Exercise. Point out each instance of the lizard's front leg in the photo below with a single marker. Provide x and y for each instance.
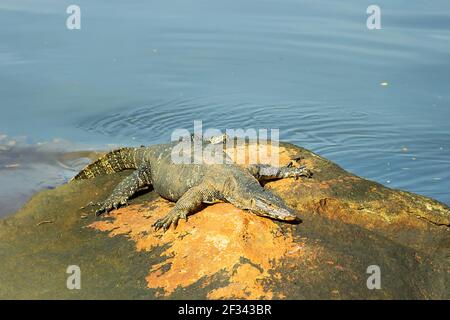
(125, 189)
(264, 172)
(189, 203)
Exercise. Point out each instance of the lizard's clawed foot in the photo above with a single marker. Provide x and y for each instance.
(109, 205)
(296, 172)
(171, 218)
(301, 171)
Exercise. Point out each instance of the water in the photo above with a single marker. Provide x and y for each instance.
(137, 70)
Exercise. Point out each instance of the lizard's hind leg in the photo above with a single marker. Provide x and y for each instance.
(265, 172)
(125, 189)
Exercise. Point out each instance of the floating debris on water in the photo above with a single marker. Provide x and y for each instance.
(413, 158)
(12, 165)
(384, 84)
(404, 149)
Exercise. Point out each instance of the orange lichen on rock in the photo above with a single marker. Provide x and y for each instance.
(220, 239)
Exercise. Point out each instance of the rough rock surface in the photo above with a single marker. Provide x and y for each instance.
(222, 252)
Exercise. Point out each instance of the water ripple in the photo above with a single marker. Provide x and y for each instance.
(363, 142)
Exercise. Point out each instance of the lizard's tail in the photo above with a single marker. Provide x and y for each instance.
(114, 161)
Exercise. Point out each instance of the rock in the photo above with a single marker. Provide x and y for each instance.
(349, 224)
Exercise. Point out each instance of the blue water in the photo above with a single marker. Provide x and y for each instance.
(137, 70)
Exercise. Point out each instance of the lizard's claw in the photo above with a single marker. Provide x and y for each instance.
(295, 172)
(170, 218)
(162, 223)
(301, 171)
(109, 205)
(101, 211)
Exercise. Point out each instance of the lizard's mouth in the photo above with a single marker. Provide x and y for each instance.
(275, 212)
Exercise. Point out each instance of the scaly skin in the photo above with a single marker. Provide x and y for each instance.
(191, 185)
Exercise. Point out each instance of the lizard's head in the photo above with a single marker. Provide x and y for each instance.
(264, 203)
